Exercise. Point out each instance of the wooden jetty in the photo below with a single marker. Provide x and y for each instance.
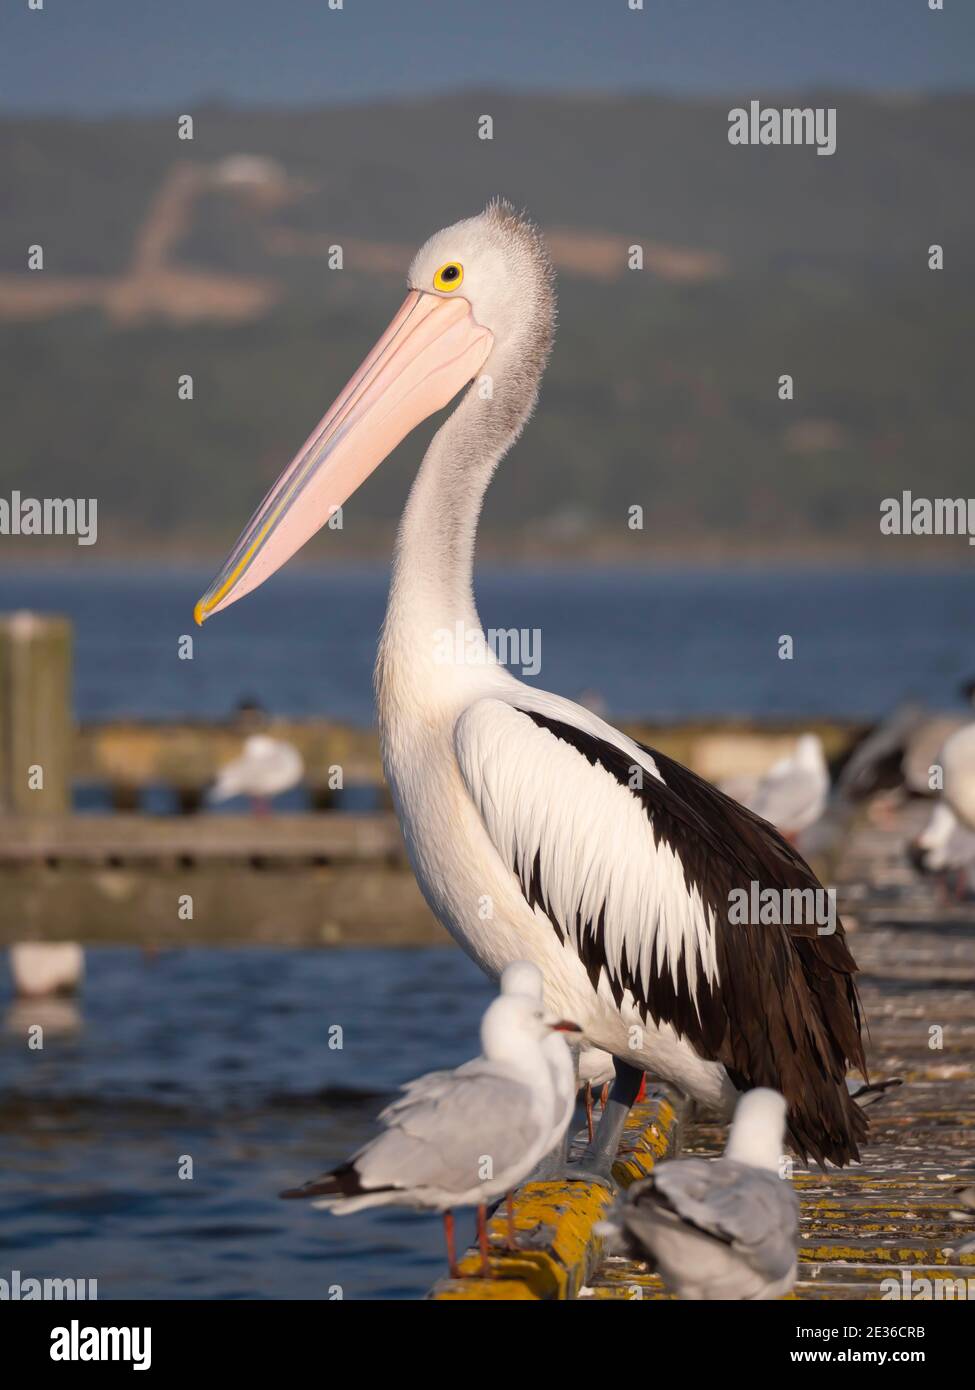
(305, 880)
(331, 876)
(875, 1230)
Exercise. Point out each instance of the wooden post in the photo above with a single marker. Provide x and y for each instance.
(35, 715)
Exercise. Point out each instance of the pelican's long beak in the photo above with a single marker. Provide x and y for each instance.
(432, 348)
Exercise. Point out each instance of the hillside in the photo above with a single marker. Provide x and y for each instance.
(164, 257)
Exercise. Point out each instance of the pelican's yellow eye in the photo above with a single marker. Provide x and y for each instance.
(449, 276)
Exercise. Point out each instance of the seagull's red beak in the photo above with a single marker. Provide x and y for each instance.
(565, 1025)
(432, 348)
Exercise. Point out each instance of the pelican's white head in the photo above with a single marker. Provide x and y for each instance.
(498, 263)
(758, 1129)
(481, 300)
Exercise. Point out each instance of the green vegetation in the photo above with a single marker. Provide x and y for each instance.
(659, 393)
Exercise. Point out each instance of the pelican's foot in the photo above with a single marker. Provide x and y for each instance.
(596, 1162)
(592, 1167)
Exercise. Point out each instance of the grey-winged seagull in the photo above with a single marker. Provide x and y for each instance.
(719, 1228)
(266, 768)
(792, 794)
(460, 1138)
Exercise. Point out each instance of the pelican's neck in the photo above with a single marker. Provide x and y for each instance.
(431, 618)
(433, 567)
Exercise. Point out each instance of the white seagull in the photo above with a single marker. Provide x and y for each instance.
(944, 846)
(462, 1138)
(718, 1228)
(958, 763)
(592, 1067)
(42, 968)
(536, 830)
(792, 794)
(524, 979)
(266, 768)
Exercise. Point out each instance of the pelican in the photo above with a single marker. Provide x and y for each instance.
(536, 830)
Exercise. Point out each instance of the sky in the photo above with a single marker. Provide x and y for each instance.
(95, 57)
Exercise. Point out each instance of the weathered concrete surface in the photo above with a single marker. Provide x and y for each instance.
(554, 1221)
(896, 1215)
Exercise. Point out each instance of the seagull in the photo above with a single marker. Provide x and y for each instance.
(718, 1228)
(958, 764)
(792, 795)
(594, 1067)
(944, 846)
(461, 1138)
(266, 768)
(521, 978)
(536, 830)
(42, 968)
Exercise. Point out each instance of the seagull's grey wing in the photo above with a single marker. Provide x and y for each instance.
(755, 1212)
(450, 1137)
(786, 799)
(428, 1086)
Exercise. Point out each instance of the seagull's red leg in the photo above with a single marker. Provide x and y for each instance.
(642, 1092)
(482, 1239)
(588, 1097)
(448, 1230)
(509, 1202)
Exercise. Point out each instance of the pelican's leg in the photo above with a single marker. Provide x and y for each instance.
(587, 1097)
(448, 1230)
(482, 1239)
(596, 1164)
(603, 1099)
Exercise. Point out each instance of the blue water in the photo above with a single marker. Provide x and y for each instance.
(222, 1056)
(662, 644)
